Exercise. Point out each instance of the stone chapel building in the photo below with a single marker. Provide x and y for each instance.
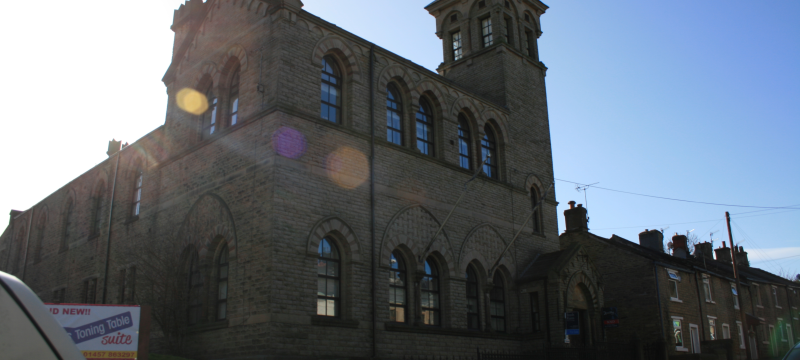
(298, 181)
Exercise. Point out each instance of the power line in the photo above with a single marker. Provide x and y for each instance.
(701, 221)
(682, 200)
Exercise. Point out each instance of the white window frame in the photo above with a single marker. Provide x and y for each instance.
(726, 331)
(707, 289)
(790, 335)
(694, 349)
(735, 296)
(773, 344)
(683, 338)
(783, 330)
(759, 301)
(674, 278)
(712, 327)
(775, 297)
(739, 327)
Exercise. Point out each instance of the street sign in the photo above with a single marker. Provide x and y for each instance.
(610, 317)
(572, 321)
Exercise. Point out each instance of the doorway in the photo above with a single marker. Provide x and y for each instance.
(753, 347)
(694, 334)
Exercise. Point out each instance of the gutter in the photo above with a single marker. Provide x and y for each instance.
(110, 216)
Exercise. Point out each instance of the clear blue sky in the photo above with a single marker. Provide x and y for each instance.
(697, 100)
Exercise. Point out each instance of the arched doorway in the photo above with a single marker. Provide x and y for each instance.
(580, 302)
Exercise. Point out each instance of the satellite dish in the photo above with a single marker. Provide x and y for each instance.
(798, 277)
(669, 245)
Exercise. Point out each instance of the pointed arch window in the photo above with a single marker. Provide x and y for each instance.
(137, 192)
(195, 285)
(68, 225)
(498, 304)
(37, 249)
(233, 98)
(473, 305)
(536, 221)
(425, 128)
(464, 143)
(98, 201)
(222, 284)
(328, 279)
(489, 152)
(430, 295)
(19, 263)
(397, 289)
(331, 106)
(394, 116)
(210, 116)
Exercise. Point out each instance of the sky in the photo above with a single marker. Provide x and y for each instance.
(691, 100)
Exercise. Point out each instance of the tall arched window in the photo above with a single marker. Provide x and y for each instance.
(222, 284)
(430, 294)
(328, 279)
(97, 208)
(489, 149)
(137, 193)
(425, 128)
(331, 107)
(68, 225)
(464, 143)
(20, 249)
(233, 98)
(394, 116)
(498, 306)
(37, 249)
(473, 307)
(195, 285)
(210, 116)
(397, 289)
(535, 220)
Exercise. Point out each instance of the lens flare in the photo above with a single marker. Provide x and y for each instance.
(289, 142)
(347, 167)
(192, 101)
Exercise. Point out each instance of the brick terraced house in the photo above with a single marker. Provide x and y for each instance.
(690, 301)
(300, 192)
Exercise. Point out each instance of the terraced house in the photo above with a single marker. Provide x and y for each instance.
(306, 195)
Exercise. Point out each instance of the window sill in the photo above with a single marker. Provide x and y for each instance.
(132, 219)
(778, 307)
(333, 321)
(711, 302)
(676, 300)
(760, 306)
(681, 349)
(209, 326)
(399, 327)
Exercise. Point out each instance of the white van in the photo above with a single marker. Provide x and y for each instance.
(27, 330)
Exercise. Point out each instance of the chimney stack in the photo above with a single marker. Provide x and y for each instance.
(113, 147)
(679, 246)
(724, 254)
(652, 239)
(575, 217)
(741, 257)
(704, 250)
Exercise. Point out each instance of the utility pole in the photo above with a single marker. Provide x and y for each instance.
(745, 328)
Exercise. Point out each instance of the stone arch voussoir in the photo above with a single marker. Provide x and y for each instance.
(209, 68)
(331, 43)
(238, 52)
(337, 227)
(413, 227)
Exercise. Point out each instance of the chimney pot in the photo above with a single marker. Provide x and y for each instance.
(679, 246)
(580, 205)
(576, 218)
(724, 254)
(571, 204)
(704, 250)
(652, 239)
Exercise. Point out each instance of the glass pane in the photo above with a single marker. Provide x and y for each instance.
(321, 267)
(223, 272)
(332, 114)
(472, 305)
(434, 300)
(235, 105)
(325, 92)
(222, 310)
(333, 288)
(321, 307)
(400, 296)
(321, 286)
(332, 307)
(234, 119)
(425, 300)
(333, 268)
(334, 95)
(223, 290)
(392, 296)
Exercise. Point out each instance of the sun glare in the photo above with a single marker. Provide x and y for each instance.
(192, 101)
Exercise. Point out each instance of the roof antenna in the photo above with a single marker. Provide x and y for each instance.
(579, 188)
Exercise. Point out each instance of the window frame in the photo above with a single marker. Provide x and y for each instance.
(401, 271)
(759, 301)
(69, 210)
(679, 333)
(726, 331)
(735, 293)
(535, 312)
(136, 201)
(673, 279)
(336, 279)
(223, 263)
(394, 108)
(194, 308)
(210, 127)
(98, 199)
(89, 295)
(508, 23)
(432, 276)
(233, 97)
(740, 330)
(473, 283)
(335, 80)
(424, 117)
(712, 327)
(775, 297)
(707, 289)
(487, 39)
(537, 221)
(464, 142)
(489, 145)
(457, 42)
(496, 306)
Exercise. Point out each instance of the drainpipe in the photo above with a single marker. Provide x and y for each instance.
(372, 194)
(27, 244)
(547, 312)
(110, 216)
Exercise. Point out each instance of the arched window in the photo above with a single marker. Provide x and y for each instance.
(137, 193)
(473, 307)
(222, 284)
(489, 149)
(394, 116)
(430, 295)
(210, 116)
(328, 279)
(37, 249)
(498, 306)
(68, 225)
(397, 289)
(425, 128)
(233, 98)
(20, 250)
(97, 208)
(535, 220)
(464, 143)
(195, 285)
(331, 109)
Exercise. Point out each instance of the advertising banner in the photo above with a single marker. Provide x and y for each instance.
(573, 323)
(101, 332)
(610, 317)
